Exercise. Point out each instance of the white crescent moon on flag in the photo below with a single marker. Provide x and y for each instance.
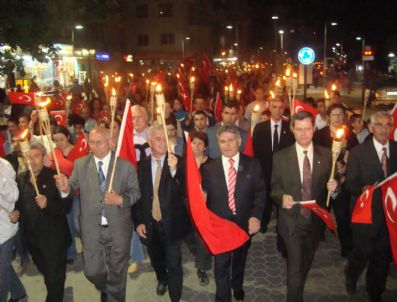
(58, 118)
(299, 109)
(364, 196)
(25, 98)
(392, 197)
(83, 142)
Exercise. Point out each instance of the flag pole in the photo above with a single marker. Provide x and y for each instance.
(119, 141)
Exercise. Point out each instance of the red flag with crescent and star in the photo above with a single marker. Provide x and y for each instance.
(320, 212)
(183, 91)
(206, 68)
(218, 108)
(389, 198)
(80, 149)
(21, 98)
(302, 106)
(362, 212)
(220, 235)
(393, 133)
(59, 116)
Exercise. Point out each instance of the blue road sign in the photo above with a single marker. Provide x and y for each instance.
(306, 55)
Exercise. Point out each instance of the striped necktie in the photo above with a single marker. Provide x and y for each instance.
(232, 176)
(102, 189)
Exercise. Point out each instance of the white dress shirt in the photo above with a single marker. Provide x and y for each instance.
(154, 166)
(8, 196)
(378, 147)
(139, 139)
(226, 165)
(320, 123)
(301, 157)
(105, 161)
(272, 123)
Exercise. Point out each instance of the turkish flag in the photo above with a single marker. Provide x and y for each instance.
(125, 144)
(393, 133)
(249, 148)
(80, 149)
(105, 116)
(218, 108)
(57, 102)
(362, 212)
(206, 68)
(183, 91)
(59, 116)
(220, 235)
(320, 212)
(77, 106)
(302, 106)
(389, 196)
(21, 98)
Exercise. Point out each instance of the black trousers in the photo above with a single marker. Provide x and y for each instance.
(267, 211)
(301, 246)
(374, 251)
(52, 264)
(229, 272)
(166, 260)
(341, 206)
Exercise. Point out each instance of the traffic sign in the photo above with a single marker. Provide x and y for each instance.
(306, 55)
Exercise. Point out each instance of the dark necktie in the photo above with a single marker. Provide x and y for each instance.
(384, 161)
(275, 138)
(142, 149)
(306, 184)
(102, 189)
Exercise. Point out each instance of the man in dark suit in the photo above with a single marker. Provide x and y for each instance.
(371, 162)
(300, 172)
(105, 219)
(229, 117)
(269, 137)
(235, 191)
(161, 216)
(43, 223)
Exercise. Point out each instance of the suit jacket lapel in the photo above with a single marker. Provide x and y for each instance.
(109, 173)
(220, 174)
(242, 166)
(317, 158)
(373, 154)
(283, 134)
(294, 172)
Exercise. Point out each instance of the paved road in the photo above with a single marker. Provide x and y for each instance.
(264, 281)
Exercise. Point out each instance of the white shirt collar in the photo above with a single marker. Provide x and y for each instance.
(272, 123)
(105, 161)
(378, 147)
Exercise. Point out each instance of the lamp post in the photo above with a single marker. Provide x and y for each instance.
(325, 47)
(78, 27)
(362, 39)
(281, 32)
(183, 45)
(275, 63)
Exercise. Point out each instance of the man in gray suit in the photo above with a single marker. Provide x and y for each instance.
(105, 217)
(300, 173)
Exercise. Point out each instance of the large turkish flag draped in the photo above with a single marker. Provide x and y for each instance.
(362, 212)
(21, 98)
(302, 106)
(393, 134)
(320, 212)
(220, 235)
(125, 144)
(389, 197)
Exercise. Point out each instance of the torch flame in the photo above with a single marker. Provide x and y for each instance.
(333, 87)
(158, 89)
(295, 75)
(239, 91)
(226, 88)
(326, 94)
(278, 84)
(45, 103)
(340, 133)
(231, 87)
(192, 79)
(113, 92)
(193, 68)
(256, 108)
(272, 94)
(147, 81)
(69, 97)
(158, 110)
(153, 83)
(24, 134)
(177, 75)
(288, 72)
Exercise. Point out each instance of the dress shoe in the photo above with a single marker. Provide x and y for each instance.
(133, 267)
(161, 289)
(350, 283)
(104, 297)
(203, 278)
(238, 295)
(17, 299)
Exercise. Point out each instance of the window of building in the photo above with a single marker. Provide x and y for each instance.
(143, 40)
(165, 9)
(167, 39)
(142, 11)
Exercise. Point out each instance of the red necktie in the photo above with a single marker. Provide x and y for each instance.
(232, 176)
(384, 161)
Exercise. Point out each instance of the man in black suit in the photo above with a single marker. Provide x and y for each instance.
(235, 191)
(371, 162)
(43, 223)
(269, 137)
(300, 172)
(161, 216)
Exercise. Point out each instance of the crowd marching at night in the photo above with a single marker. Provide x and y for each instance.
(201, 156)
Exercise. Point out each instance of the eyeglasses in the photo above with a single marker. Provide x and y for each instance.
(96, 143)
(385, 126)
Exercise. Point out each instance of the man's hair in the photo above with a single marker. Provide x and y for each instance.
(229, 129)
(300, 116)
(104, 131)
(231, 104)
(153, 128)
(199, 112)
(141, 108)
(374, 116)
(277, 99)
(199, 135)
(76, 120)
(332, 107)
(354, 118)
(58, 129)
(171, 120)
(38, 146)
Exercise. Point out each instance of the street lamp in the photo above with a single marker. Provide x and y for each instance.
(362, 39)
(78, 27)
(325, 47)
(281, 32)
(183, 45)
(230, 27)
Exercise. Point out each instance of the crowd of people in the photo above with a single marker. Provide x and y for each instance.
(114, 214)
